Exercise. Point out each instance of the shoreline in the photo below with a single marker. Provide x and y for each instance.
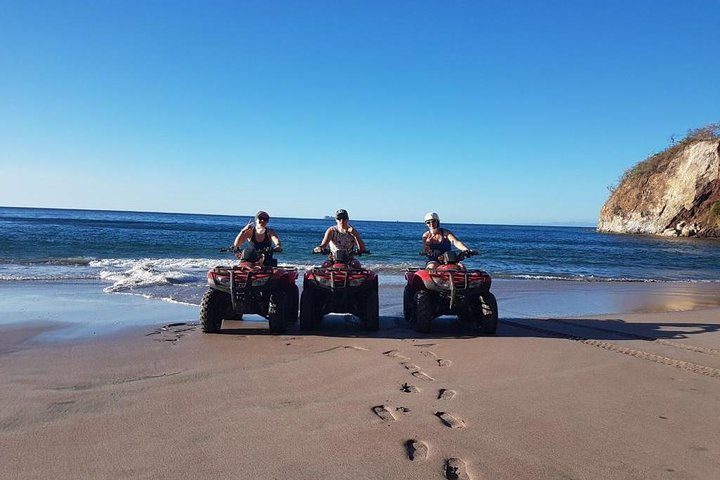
(73, 310)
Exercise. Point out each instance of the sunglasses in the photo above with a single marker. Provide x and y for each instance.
(341, 218)
(430, 222)
(264, 218)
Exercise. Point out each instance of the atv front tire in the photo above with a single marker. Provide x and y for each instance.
(309, 310)
(215, 306)
(408, 304)
(277, 312)
(424, 311)
(371, 317)
(489, 322)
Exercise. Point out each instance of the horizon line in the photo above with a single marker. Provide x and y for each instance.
(568, 223)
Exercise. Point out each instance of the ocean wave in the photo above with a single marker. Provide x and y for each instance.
(144, 274)
(70, 261)
(60, 261)
(17, 277)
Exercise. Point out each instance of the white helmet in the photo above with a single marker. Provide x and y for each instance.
(432, 216)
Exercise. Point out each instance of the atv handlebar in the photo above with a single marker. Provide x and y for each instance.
(261, 251)
(326, 251)
(462, 255)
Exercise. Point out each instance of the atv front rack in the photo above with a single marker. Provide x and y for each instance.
(339, 277)
(456, 282)
(243, 279)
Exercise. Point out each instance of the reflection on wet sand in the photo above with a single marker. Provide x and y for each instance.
(533, 298)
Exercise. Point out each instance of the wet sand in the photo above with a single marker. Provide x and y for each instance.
(618, 396)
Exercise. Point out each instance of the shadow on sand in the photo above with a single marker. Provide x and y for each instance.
(395, 327)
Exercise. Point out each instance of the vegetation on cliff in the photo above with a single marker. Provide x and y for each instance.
(659, 162)
(673, 192)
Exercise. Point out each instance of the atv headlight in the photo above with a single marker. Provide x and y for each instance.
(259, 282)
(323, 281)
(442, 282)
(356, 282)
(215, 279)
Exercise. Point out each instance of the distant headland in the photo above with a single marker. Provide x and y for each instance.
(675, 192)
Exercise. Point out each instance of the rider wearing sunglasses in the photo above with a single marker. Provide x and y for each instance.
(261, 237)
(342, 236)
(437, 241)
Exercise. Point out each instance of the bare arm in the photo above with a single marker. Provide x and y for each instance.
(243, 236)
(455, 241)
(358, 239)
(275, 239)
(325, 240)
(426, 242)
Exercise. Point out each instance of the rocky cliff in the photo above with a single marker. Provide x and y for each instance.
(675, 192)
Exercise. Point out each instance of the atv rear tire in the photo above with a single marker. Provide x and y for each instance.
(424, 311)
(214, 307)
(489, 322)
(309, 310)
(371, 317)
(408, 304)
(277, 312)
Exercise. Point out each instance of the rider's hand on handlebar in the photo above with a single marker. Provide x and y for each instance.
(277, 248)
(317, 249)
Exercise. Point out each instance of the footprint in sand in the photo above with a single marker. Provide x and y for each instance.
(455, 469)
(396, 354)
(450, 420)
(445, 394)
(422, 376)
(428, 353)
(383, 411)
(416, 450)
(402, 410)
(342, 347)
(410, 366)
(409, 388)
(444, 363)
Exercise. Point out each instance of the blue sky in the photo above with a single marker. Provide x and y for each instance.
(484, 111)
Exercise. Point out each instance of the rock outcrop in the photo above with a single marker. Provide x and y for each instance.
(676, 192)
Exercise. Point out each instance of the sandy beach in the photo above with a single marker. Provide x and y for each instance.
(622, 396)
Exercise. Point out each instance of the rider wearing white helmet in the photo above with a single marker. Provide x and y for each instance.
(437, 241)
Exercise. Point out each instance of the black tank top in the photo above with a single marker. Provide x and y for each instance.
(265, 243)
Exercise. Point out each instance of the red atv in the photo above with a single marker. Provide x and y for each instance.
(338, 286)
(269, 291)
(450, 289)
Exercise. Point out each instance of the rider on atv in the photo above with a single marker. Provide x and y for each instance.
(437, 241)
(342, 236)
(340, 285)
(262, 238)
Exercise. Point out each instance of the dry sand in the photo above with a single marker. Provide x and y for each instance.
(618, 397)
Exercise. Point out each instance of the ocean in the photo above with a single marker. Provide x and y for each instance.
(167, 255)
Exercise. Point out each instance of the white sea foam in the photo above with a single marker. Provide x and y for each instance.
(129, 274)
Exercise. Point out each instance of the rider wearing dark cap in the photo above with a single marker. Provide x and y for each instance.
(260, 237)
(342, 236)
